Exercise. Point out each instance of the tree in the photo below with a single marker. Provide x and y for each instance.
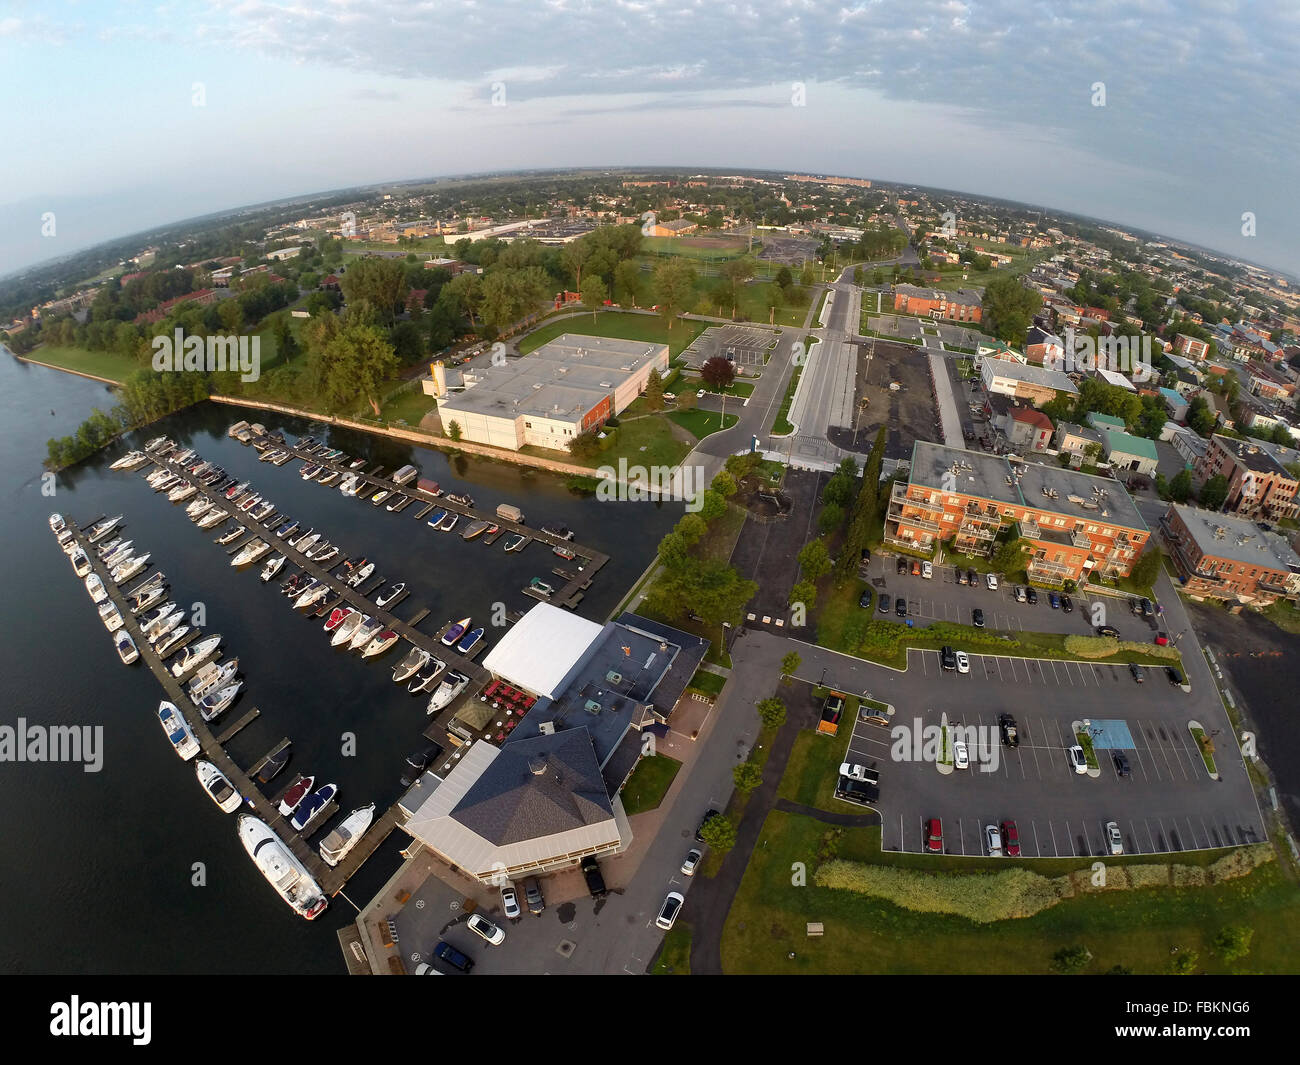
(719, 834)
(807, 276)
(831, 518)
(1233, 942)
(1200, 418)
(784, 279)
(1146, 568)
(594, 293)
(712, 506)
(673, 283)
(790, 665)
(1214, 492)
(453, 432)
(1184, 963)
(814, 560)
(1010, 556)
(627, 281)
(691, 528)
(804, 592)
(353, 359)
(654, 391)
(1009, 308)
(747, 776)
(379, 282)
(1071, 959)
(737, 272)
(464, 295)
(718, 372)
(771, 712)
(1180, 488)
(724, 484)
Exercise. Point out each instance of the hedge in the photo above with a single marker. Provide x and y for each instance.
(1104, 647)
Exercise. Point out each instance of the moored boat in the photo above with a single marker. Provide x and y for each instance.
(348, 627)
(170, 640)
(103, 528)
(452, 685)
(469, 641)
(232, 536)
(195, 655)
(416, 659)
(57, 523)
(423, 681)
(95, 587)
(361, 575)
(475, 529)
(213, 517)
(218, 786)
(436, 517)
(130, 568)
(337, 616)
(390, 594)
(381, 643)
(80, 563)
(449, 522)
(298, 791)
(110, 616)
(455, 632)
(250, 552)
(281, 868)
(126, 649)
(368, 631)
(312, 807)
(178, 730)
(346, 835)
(212, 677)
(274, 764)
(218, 702)
(272, 568)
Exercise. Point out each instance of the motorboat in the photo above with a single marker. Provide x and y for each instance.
(130, 568)
(301, 539)
(416, 659)
(369, 629)
(182, 493)
(263, 511)
(564, 551)
(213, 518)
(493, 531)
(148, 598)
(469, 641)
(281, 867)
(462, 500)
(452, 685)
(80, 563)
(212, 677)
(169, 482)
(381, 643)
(337, 616)
(155, 443)
(346, 835)
(237, 427)
(327, 557)
(361, 575)
(164, 646)
(560, 532)
(347, 628)
(380, 496)
(312, 807)
(126, 649)
(455, 632)
(475, 529)
(109, 615)
(351, 565)
(397, 502)
(272, 568)
(250, 552)
(436, 517)
(250, 502)
(287, 529)
(198, 508)
(66, 540)
(146, 585)
(296, 584)
(236, 490)
(417, 762)
(356, 464)
(298, 791)
(312, 596)
(309, 471)
(118, 555)
(218, 787)
(95, 587)
(218, 702)
(540, 587)
(326, 606)
(449, 522)
(349, 481)
(109, 546)
(317, 549)
(148, 623)
(273, 764)
(423, 681)
(195, 654)
(166, 625)
(178, 730)
(103, 528)
(127, 459)
(183, 457)
(306, 543)
(351, 486)
(329, 478)
(233, 535)
(392, 592)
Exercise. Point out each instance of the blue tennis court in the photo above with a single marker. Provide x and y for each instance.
(1112, 734)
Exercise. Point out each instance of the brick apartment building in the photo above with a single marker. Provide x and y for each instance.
(1229, 558)
(963, 305)
(1190, 347)
(1077, 524)
(1259, 486)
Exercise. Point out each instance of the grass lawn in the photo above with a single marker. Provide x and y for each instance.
(707, 683)
(649, 781)
(621, 326)
(814, 765)
(99, 363)
(653, 433)
(675, 954)
(1135, 929)
(703, 422)
(409, 407)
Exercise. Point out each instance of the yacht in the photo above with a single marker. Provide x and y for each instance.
(126, 650)
(312, 596)
(218, 702)
(423, 682)
(57, 524)
(250, 552)
(281, 868)
(195, 654)
(144, 600)
(381, 643)
(150, 622)
(130, 568)
(368, 630)
(390, 594)
(316, 549)
(309, 471)
(182, 493)
(67, 541)
(361, 575)
(165, 625)
(103, 528)
(416, 659)
(346, 835)
(168, 483)
(80, 563)
(236, 490)
(212, 677)
(218, 787)
(452, 685)
(109, 546)
(455, 632)
(118, 555)
(347, 628)
(213, 517)
(95, 587)
(127, 460)
(232, 536)
(109, 615)
(250, 502)
(172, 639)
(298, 791)
(356, 464)
(146, 585)
(287, 529)
(329, 478)
(273, 764)
(312, 807)
(469, 641)
(263, 511)
(306, 543)
(155, 443)
(178, 730)
(327, 557)
(198, 508)
(272, 568)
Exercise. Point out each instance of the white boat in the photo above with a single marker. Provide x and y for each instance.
(155, 443)
(212, 677)
(195, 654)
(390, 594)
(57, 523)
(166, 625)
(168, 483)
(317, 549)
(367, 632)
(327, 557)
(312, 596)
(108, 614)
(144, 600)
(416, 659)
(405, 475)
(213, 517)
(346, 835)
(128, 460)
(423, 681)
(198, 508)
(361, 575)
(95, 587)
(148, 622)
(281, 868)
(306, 543)
(260, 512)
(103, 528)
(250, 552)
(178, 730)
(182, 493)
(216, 703)
(348, 628)
(452, 685)
(80, 563)
(272, 568)
(337, 616)
(218, 787)
(126, 650)
(67, 542)
(381, 643)
(348, 485)
(380, 496)
(232, 536)
(329, 478)
(109, 547)
(130, 568)
(294, 795)
(118, 555)
(170, 640)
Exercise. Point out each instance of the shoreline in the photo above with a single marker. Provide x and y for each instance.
(63, 369)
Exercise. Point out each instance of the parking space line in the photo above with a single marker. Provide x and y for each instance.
(1087, 843)
(1038, 847)
(1056, 851)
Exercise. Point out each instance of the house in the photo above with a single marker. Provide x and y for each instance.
(1132, 454)
(1027, 427)
(1105, 421)
(1042, 347)
(1229, 558)
(1081, 440)
(1032, 383)
(1190, 445)
(996, 349)
(1176, 402)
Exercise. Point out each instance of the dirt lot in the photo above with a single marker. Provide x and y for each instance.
(766, 551)
(718, 243)
(910, 413)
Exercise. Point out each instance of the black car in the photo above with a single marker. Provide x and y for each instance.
(884, 602)
(533, 896)
(864, 600)
(1010, 733)
(1175, 677)
(1032, 595)
(977, 618)
(1108, 630)
(1121, 763)
(449, 955)
(902, 565)
(699, 832)
(948, 658)
(595, 882)
(961, 575)
(900, 607)
(972, 578)
(1147, 609)
(1139, 674)
(1067, 604)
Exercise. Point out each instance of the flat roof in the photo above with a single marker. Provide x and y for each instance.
(1237, 539)
(541, 649)
(1251, 454)
(1034, 375)
(979, 474)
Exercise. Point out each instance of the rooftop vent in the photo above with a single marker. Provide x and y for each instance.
(537, 765)
(546, 728)
(613, 677)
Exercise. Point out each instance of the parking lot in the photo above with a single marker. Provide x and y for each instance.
(747, 346)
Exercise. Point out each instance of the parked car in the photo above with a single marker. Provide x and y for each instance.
(1148, 609)
(482, 927)
(883, 606)
(934, 836)
(961, 575)
(1031, 594)
(991, 579)
(1121, 763)
(900, 607)
(669, 910)
(1113, 838)
(948, 658)
(1011, 839)
(927, 570)
(595, 882)
(449, 955)
(1175, 677)
(1020, 593)
(1108, 630)
(864, 600)
(1162, 639)
(700, 393)
(1054, 600)
(1139, 674)
(960, 756)
(533, 896)
(699, 832)
(916, 567)
(692, 860)
(963, 662)
(857, 791)
(993, 841)
(1077, 758)
(1067, 604)
(977, 618)
(972, 578)
(902, 566)
(510, 902)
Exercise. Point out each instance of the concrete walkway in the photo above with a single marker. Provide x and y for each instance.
(949, 419)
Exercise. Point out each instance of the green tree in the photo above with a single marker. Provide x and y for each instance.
(1233, 942)
(627, 279)
(1071, 959)
(784, 279)
(594, 293)
(1184, 963)
(1180, 488)
(453, 432)
(1009, 308)
(1200, 418)
(1010, 555)
(804, 592)
(654, 391)
(351, 360)
(790, 665)
(771, 712)
(1213, 492)
(673, 283)
(724, 484)
(747, 776)
(1146, 568)
(712, 506)
(736, 272)
(807, 276)
(379, 282)
(691, 528)
(814, 560)
(719, 834)
(831, 518)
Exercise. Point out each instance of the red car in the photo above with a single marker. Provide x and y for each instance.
(1010, 839)
(916, 568)
(934, 835)
(1161, 639)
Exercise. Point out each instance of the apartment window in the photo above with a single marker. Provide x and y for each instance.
(528, 425)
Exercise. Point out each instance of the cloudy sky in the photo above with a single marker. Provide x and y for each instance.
(125, 115)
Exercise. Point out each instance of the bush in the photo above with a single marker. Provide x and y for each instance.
(771, 712)
(1071, 959)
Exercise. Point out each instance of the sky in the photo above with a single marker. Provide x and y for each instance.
(1178, 118)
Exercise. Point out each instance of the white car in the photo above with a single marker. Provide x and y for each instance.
(485, 929)
(1113, 837)
(669, 910)
(960, 759)
(1077, 759)
(963, 663)
(692, 860)
(510, 902)
(993, 841)
(991, 579)
(700, 393)
(927, 570)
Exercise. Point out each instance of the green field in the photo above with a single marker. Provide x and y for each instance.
(654, 433)
(702, 423)
(409, 406)
(706, 683)
(622, 326)
(650, 780)
(813, 769)
(98, 363)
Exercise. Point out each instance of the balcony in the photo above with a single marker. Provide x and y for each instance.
(899, 495)
(977, 531)
(1037, 565)
(1029, 529)
(916, 522)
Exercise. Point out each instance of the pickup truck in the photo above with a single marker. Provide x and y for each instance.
(858, 772)
(595, 882)
(832, 711)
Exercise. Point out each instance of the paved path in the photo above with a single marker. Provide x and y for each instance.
(949, 419)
